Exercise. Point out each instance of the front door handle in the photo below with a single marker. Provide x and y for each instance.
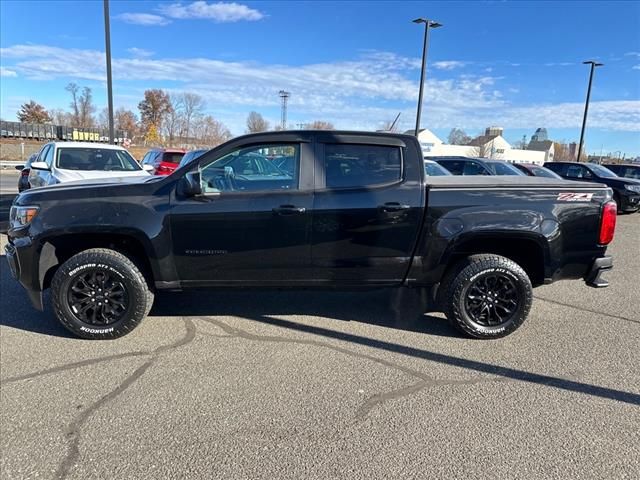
(289, 210)
(393, 207)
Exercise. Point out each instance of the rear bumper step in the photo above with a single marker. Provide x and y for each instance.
(599, 266)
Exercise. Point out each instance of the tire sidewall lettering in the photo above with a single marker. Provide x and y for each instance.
(101, 266)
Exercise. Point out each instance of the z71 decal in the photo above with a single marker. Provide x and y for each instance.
(575, 197)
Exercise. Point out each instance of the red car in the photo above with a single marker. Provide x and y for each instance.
(163, 160)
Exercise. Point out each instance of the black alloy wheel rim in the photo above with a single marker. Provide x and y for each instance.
(492, 300)
(97, 297)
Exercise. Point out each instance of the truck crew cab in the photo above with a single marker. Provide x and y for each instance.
(352, 210)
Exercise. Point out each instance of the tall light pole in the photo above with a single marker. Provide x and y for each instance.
(586, 103)
(427, 24)
(107, 41)
(284, 97)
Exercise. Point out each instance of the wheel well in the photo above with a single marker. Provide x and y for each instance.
(68, 245)
(525, 252)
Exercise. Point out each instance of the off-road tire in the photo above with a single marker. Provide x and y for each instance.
(459, 279)
(140, 297)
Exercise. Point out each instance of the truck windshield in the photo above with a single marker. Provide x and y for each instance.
(102, 159)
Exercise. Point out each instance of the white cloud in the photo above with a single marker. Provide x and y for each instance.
(632, 54)
(448, 64)
(221, 12)
(5, 72)
(146, 19)
(636, 67)
(140, 52)
(359, 93)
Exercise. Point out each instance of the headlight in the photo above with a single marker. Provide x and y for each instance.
(20, 216)
(633, 188)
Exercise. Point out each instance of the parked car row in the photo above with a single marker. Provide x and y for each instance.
(626, 191)
(624, 180)
(59, 162)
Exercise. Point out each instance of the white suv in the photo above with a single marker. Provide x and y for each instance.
(59, 162)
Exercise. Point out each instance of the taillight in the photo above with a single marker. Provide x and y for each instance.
(608, 223)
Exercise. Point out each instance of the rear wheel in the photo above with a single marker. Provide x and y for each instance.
(100, 294)
(486, 296)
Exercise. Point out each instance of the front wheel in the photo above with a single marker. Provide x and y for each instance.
(100, 294)
(486, 296)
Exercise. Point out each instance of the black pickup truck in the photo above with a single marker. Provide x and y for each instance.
(352, 210)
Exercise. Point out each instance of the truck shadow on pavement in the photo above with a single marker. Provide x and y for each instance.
(394, 309)
(372, 308)
(400, 309)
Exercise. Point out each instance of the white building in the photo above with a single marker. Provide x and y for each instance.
(491, 145)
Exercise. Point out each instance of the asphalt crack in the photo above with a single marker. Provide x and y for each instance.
(587, 310)
(425, 381)
(71, 366)
(74, 429)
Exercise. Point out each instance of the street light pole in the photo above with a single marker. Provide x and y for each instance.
(107, 39)
(427, 23)
(586, 103)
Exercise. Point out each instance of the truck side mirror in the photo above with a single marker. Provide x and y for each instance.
(190, 184)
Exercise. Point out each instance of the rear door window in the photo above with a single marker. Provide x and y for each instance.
(473, 168)
(632, 172)
(578, 171)
(559, 168)
(355, 166)
(456, 167)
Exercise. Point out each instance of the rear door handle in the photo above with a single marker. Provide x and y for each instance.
(391, 207)
(289, 210)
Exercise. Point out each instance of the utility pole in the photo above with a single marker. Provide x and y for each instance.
(284, 97)
(107, 40)
(586, 103)
(427, 23)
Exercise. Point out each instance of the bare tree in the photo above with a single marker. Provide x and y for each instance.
(82, 107)
(33, 112)
(73, 89)
(457, 136)
(174, 120)
(256, 123)
(103, 118)
(60, 117)
(86, 108)
(210, 132)
(320, 125)
(193, 105)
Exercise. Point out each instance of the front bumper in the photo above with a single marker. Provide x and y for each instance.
(598, 267)
(629, 202)
(21, 273)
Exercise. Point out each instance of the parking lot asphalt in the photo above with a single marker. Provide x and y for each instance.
(329, 385)
(9, 181)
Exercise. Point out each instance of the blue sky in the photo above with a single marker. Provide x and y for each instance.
(356, 64)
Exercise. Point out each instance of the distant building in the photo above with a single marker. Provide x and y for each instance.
(573, 150)
(546, 146)
(540, 135)
(490, 145)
